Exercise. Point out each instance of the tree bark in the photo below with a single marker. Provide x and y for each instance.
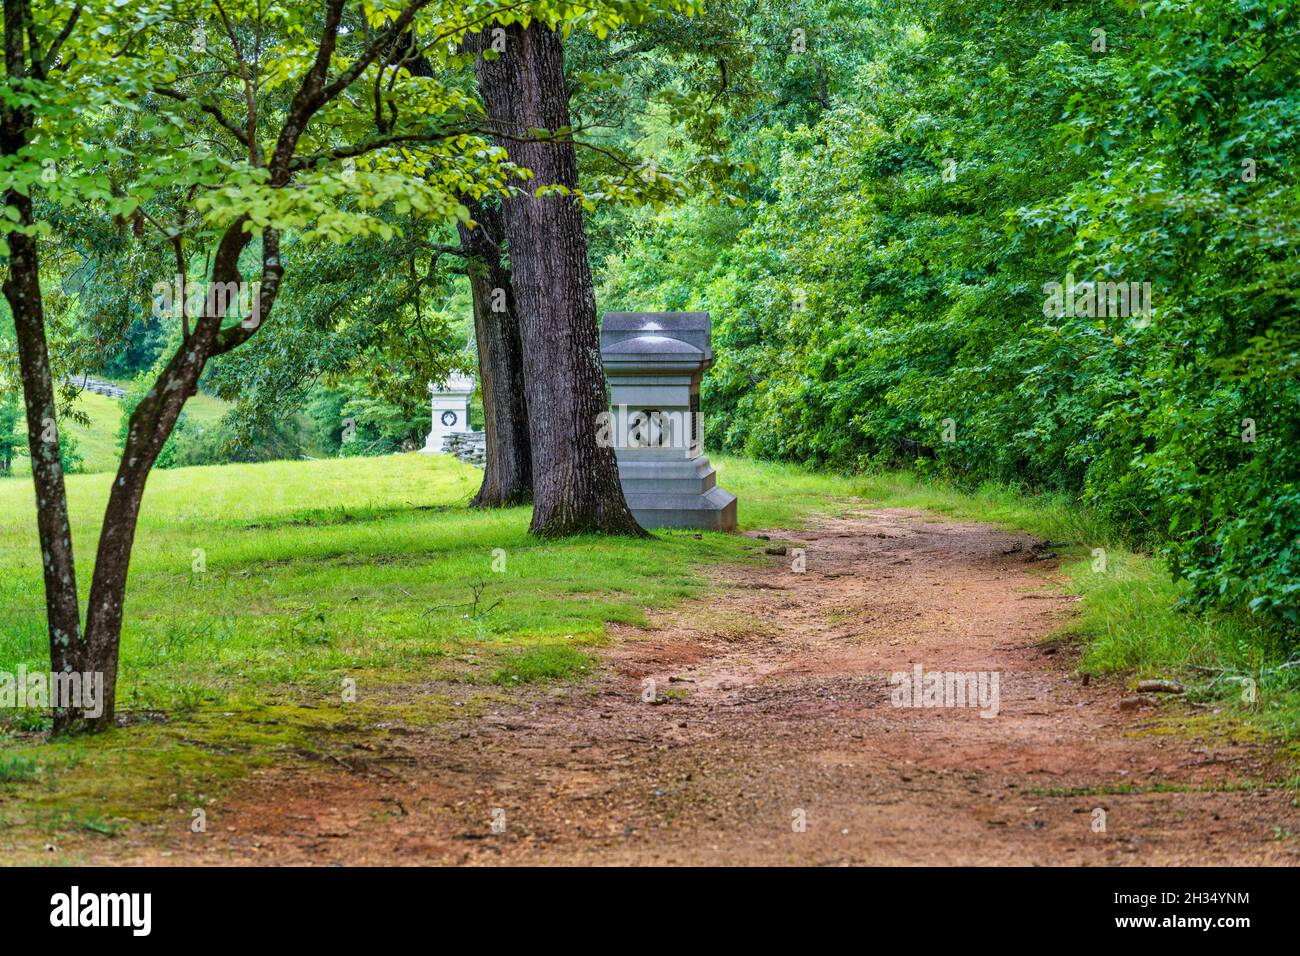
(508, 471)
(150, 426)
(22, 290)
(153, 420)
(576, 488)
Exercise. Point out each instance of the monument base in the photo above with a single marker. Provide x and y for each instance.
(673, 493)
(715, 510)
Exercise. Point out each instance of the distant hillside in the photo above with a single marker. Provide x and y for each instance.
(97, 440)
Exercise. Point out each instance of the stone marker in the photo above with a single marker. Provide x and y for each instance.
(450, 403)
(654, 362)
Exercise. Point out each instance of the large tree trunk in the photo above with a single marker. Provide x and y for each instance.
(576, 487)
(508, 469)
(508, 473)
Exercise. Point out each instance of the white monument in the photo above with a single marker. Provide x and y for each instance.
(653, 362)
(450, 404)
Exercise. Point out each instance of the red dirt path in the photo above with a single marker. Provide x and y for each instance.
(773, 697)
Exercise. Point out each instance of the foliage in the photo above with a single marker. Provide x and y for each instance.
(11, 421)
(218, 443)
(135, 393)
(13, 438)
(887, 298)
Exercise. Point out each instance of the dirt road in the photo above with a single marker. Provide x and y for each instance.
(768, 736)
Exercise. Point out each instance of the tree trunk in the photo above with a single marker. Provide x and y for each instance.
(149, 428)
(22, 289)
(576, 488)
(154, 418)
(508, 472)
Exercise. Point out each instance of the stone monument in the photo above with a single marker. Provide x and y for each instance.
(654, 362)
(450, 404)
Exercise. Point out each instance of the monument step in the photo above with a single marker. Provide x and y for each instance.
(715, 510)
(693, 477)
(669, 486)
(627, 456)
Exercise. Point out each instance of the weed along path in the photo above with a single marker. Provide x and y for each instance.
(764, 726)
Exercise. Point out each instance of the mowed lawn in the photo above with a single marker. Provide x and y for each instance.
(251, 579)
(260, 594)
(97, 442)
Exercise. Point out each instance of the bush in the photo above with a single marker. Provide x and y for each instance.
(135, 393)
(888, 300)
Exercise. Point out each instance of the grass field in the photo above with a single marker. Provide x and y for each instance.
(252, 577)
(258, 592)
(97, 438)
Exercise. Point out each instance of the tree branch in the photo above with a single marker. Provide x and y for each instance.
(52, 54)
(211, 109)
(249, 99)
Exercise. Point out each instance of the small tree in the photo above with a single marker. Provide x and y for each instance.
(11, 414)
(279, 169)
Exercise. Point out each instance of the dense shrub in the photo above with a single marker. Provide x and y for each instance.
(888, 298)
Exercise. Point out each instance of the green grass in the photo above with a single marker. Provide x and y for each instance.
(258, 593)
(96, 441)
(18, 767)
(248, 578)
(200, 407)
(205, 410)
(289, 574)
(97, 437)
(545, 663)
